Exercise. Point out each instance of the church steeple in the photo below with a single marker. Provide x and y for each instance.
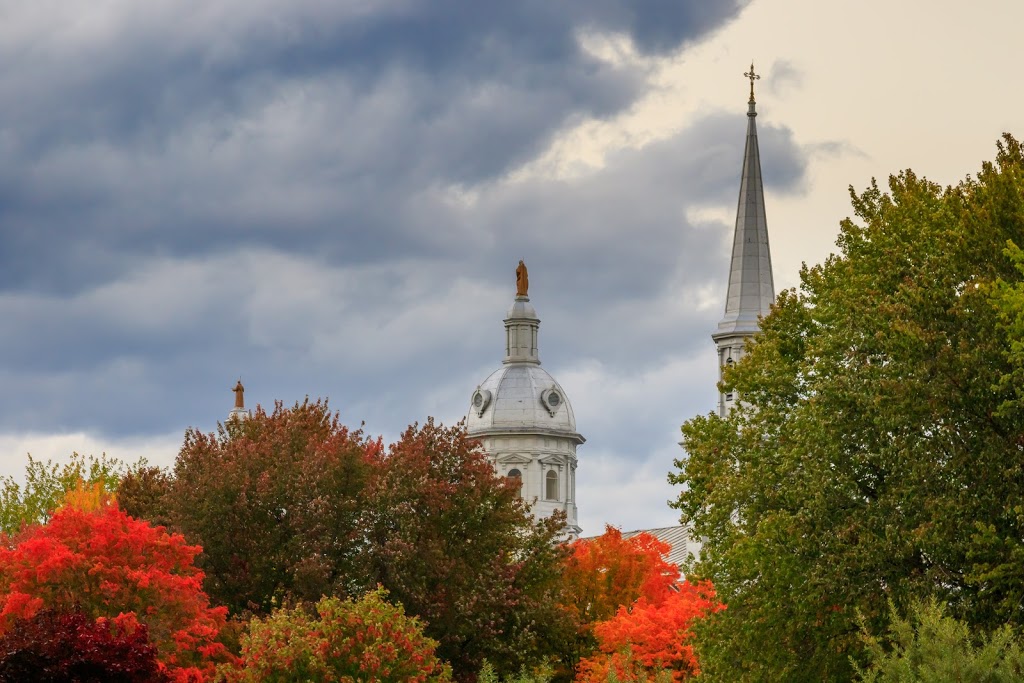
(751, 287)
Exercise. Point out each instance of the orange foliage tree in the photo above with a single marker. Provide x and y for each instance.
(632, 610)
(650, 636)
(93, 557)
(609, 571)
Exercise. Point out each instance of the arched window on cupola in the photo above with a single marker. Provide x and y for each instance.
(551, 485)
(518, 476)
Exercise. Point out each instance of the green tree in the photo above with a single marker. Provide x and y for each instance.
(455, 544)
(489, 675)
(931, 647)
(998, 554)
(872, 458)
(367, 639)
(46, 483)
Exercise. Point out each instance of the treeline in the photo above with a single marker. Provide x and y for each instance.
(288, 547)
(876, 461)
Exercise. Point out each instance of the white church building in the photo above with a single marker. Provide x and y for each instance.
(524, 419)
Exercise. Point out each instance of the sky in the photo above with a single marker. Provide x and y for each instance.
(330, 199)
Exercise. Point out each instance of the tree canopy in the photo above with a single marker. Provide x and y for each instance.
(609, 571)
(650, 637)
(929, 646)
(876, 454)
(67, 645)
(633, 612)
(457, 546)
(291, 505)
(274, 501)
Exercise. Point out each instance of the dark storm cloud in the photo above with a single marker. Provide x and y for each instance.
(312, 127)
(616, 267)
(623, 227)
(319, 199)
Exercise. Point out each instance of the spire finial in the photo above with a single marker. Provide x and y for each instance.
(753, 77)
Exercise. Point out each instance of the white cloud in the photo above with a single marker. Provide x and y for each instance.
(158, 450)
(612, 488)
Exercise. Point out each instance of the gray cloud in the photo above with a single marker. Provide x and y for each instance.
(784, 75)
(321, 201)
(187, 127)
(616, 272)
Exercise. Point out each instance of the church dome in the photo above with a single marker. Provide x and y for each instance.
(520, 397)
(524, 420)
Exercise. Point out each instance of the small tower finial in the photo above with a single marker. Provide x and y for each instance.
(753, 77)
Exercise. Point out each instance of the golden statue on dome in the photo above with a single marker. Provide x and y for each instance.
(239, 394)
(522, 279)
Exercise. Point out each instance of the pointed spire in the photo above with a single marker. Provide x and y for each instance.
(751, 287)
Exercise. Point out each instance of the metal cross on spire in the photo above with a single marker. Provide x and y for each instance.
(753, 77)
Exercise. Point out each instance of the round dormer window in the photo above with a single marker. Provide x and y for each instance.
(481, 399)
(551, 399)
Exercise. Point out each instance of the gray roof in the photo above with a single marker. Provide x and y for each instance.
(515, 404)
(751, 288)
(678, 537)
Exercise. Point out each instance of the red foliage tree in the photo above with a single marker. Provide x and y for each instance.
(93, 556)
(54, 646)
(650, 636)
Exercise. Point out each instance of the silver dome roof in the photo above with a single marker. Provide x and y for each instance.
(520, 398)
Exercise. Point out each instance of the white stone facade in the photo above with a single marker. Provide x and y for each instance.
(525, 422)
